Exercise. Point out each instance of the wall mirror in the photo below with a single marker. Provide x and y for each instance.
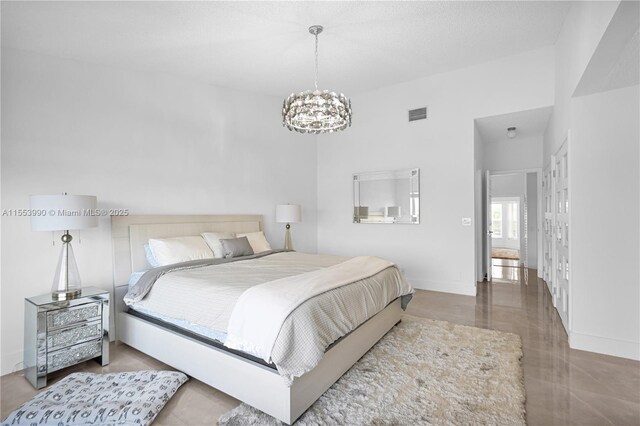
(387, 197)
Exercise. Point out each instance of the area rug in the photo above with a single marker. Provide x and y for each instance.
(422, 372)
(505, 253)
(130, 398)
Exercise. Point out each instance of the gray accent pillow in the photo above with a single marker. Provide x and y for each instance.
(236, 247)
(213, 241)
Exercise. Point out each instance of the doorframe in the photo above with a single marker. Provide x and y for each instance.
(487, 247)
(538, 172)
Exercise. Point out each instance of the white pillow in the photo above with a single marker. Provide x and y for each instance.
(152, 260)
(168, 251)
(213, 241)
(257, 240)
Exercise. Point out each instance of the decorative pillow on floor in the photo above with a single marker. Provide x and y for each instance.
(129, 398)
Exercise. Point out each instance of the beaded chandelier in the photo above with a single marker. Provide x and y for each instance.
(316, 111)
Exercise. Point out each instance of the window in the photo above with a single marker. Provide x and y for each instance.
(505, 219)
(496, 220)
(513, 220)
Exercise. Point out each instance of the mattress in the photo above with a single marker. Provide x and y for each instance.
(218, 287)
(201, 300)
(197, 336)
(217, 335)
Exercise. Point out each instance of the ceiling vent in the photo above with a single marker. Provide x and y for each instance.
(418, 114)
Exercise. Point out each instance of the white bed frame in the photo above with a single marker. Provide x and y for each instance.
(253, 383)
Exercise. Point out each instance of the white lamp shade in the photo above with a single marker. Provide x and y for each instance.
(63, 212)
(288, 213)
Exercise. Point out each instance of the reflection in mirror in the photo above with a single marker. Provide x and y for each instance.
(387, 197)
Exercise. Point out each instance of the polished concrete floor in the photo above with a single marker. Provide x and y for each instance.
(564, 386)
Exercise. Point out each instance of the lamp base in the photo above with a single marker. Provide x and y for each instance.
(66, 295)
(288, 243)
(66, 282)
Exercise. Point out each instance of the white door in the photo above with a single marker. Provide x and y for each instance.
(548, 221)
(524, 255)
(487, 215)
(561, 195)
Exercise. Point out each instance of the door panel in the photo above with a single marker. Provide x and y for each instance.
(561, 230)
(548, 203)
(525, 236)
(488, 244)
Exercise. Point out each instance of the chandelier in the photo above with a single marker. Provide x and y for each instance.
(316, 111)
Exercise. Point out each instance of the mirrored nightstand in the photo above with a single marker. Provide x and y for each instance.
(62, 333)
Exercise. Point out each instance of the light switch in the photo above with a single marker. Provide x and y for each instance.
(466, 221)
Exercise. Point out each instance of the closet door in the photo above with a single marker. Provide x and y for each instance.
(525, 233)
(548, 222)
(561, 190)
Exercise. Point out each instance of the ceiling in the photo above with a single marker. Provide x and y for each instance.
(265, 47)
(529, 124)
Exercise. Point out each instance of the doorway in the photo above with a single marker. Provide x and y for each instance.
(505, 230)
(509, 144)
(505, 239)
(512, 222)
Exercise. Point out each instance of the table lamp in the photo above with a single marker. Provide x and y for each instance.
(288, 213)
(64, 213)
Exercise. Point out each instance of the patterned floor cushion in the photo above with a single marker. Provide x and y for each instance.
(129, 398)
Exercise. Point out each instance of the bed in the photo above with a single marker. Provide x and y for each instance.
(244, 372)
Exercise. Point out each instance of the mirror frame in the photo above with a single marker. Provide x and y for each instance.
(414, 192)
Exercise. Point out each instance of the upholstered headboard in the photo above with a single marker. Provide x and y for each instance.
(129, 234)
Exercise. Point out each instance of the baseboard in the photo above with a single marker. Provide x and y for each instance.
(455, 287)
(605, 345)
(11, 363)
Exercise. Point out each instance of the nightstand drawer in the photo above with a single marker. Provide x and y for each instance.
(62, 317)
(73, 335)
(73, 355)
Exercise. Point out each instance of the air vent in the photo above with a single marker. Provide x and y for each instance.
(418, 114)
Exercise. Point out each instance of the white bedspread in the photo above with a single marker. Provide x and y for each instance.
(207, 296)
(260, 311)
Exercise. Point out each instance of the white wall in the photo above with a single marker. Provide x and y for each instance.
(480, 204)
(438, 253)
(581, 32)
(513, 154)
(151, 143)
(509, 185)
(604, 176)
(603, 180)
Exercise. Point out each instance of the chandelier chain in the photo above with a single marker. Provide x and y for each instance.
(316, 61)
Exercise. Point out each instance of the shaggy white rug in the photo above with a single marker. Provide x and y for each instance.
(422, 372)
